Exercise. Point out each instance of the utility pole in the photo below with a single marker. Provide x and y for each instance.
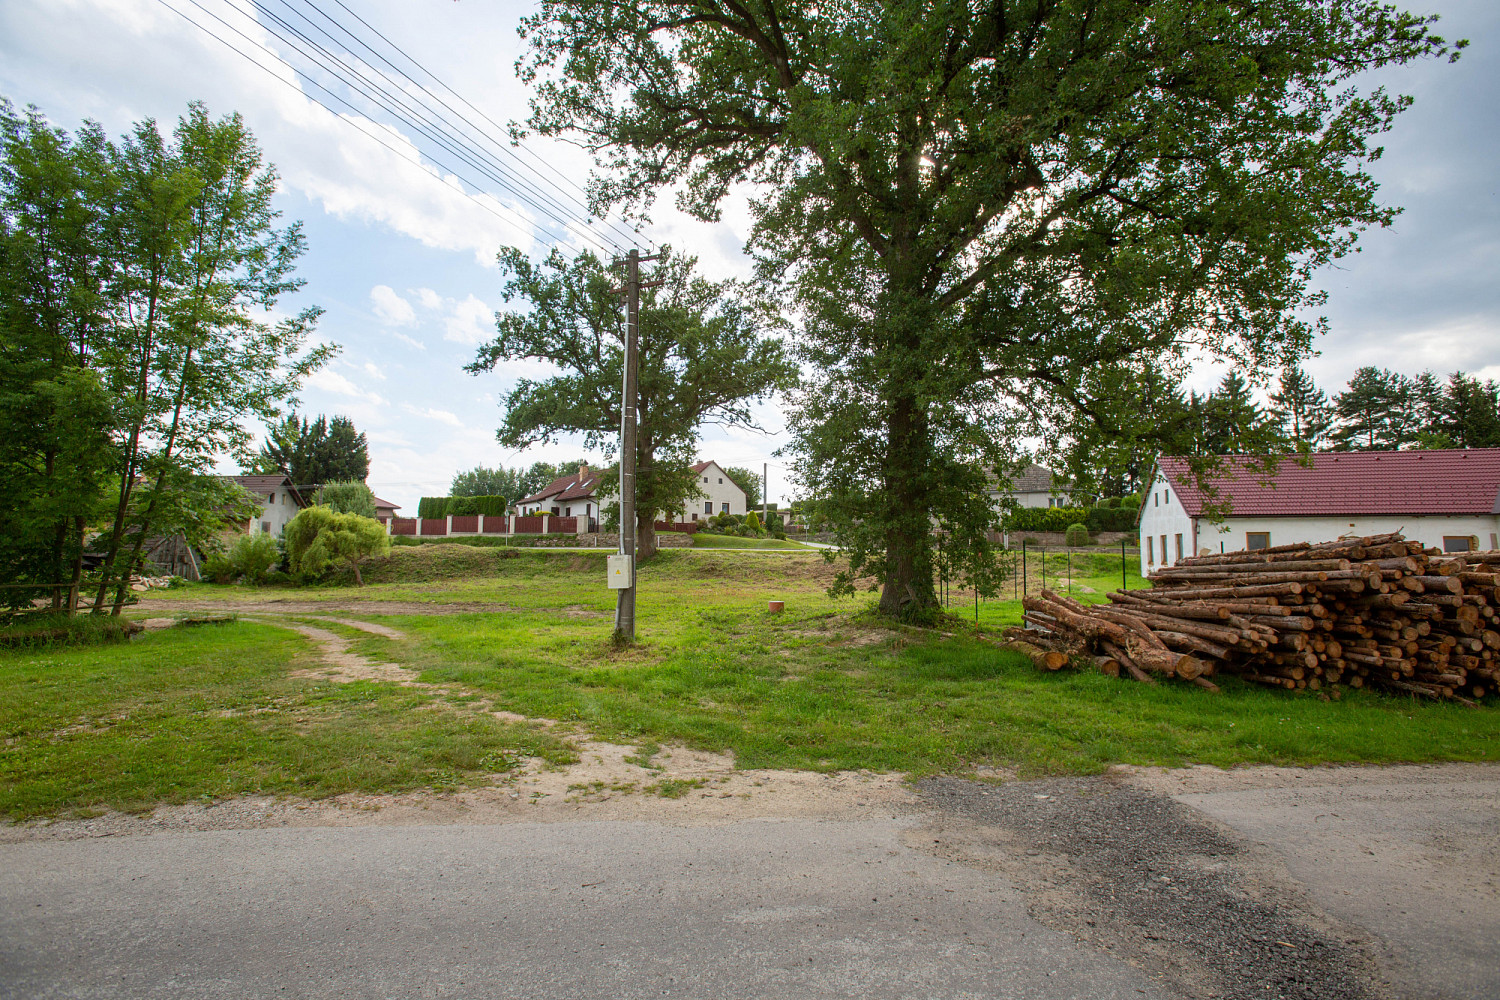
(765, 492)
(623, 577)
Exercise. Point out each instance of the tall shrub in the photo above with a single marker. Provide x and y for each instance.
(352, 497)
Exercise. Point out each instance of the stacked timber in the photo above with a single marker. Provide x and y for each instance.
(1378, 611)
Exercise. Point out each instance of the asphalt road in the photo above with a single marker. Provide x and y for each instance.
(1265, 883)
(564, 910)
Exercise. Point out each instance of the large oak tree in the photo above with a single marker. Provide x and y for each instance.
(992, 214)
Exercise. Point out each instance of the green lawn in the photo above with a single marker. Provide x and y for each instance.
(217, 711)
(702, 541)
(211, 712)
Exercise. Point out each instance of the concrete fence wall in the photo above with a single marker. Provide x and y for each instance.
(474, 524)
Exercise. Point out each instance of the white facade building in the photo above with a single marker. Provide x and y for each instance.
(721, 495)
(1448, 499)
(577, 496)
(280, 502)
(1033, 486)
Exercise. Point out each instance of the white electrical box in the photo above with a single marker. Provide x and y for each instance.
(620, 575)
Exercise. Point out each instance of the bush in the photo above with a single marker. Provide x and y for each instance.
(1111, 519)
(252, 558)
(432, 507)
(752, 521)
(348, 497)
(320, 540)
(1043, 518)
(487, 506)
(1077, 534)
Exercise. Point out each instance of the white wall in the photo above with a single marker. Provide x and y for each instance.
(1033, 499)
(275, 514)
(720, 490)
(1163, 516)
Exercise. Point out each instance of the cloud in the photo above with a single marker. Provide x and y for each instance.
(390, 308)
(409, 341)
(428, 298)
(373, 370)
(441, 416)
(332, 382)
(469, 322)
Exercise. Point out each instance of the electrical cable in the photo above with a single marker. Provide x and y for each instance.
(424, 119)
(634, 230)
(621, 229)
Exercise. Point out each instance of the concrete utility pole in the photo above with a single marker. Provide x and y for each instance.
(625, 599)
(765, 492)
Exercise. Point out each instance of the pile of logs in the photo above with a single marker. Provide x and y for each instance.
(1377, 611)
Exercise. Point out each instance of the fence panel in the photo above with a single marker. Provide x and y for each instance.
(434, 526)
(403, 526)
(563, 525)
(465, 522)
(528, 525)
(495, 525)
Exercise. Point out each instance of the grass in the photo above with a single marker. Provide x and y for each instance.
(702, 541)
(46, 629)
(205, 714)
(825, 686)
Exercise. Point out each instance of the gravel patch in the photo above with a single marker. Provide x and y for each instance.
(1151, 881)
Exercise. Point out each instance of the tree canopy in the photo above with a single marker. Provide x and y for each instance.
(990, 213)
(707, 353)
(314, 453)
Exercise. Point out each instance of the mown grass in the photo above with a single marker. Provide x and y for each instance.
(702, 541)
(824, 686)
(206, 714)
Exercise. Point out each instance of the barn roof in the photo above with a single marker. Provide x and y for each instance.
(1435, 482)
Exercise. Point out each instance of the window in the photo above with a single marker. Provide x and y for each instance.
(568, 511)
(1167, 495)
(1177, 548)
(724, 508)
(588, 509)
(695, 515)
(271, 498)
(1163, 550)
(708, 505)
(1156, 499)
(265, 527)
(1150, 553)
(1257, 540)
(1457, 543)
(705, 479)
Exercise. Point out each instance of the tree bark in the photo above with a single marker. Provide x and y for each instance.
(907, 591)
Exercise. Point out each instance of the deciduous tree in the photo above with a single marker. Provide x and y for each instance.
(989, 214)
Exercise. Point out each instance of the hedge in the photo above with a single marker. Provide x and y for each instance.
(1059, 518)
(436, 507)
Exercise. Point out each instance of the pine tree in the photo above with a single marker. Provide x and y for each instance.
(1301, 408)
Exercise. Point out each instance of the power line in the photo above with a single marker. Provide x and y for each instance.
(421, 117)
(526, 226)
(633, 230)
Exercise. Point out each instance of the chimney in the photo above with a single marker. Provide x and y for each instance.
(583, 474)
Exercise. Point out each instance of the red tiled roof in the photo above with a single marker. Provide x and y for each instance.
(379, 503)
(1455, 481)
(703, 465)
(566, 488)
(263, 485)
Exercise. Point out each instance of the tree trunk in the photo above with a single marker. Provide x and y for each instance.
(645, 534)
(907, 591)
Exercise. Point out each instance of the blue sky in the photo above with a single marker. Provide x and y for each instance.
(402, 262)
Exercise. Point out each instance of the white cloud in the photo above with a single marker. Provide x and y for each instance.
(410, 341)
(428, 298)
(373, 370)
(332, 382)
(469, 322)
(442, 416)
(390, 308)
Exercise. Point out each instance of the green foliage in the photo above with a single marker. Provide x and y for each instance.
(310, 454)
(432, 507)
(142, 272)
(490, 506)
(752, 521)
(706, 354)
(1077, 534)
(320, 541)
(41, 631)
(986, 215)
(1043, 518)
(350, 497)
(747, 481)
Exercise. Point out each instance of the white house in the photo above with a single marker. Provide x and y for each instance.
(1034, 486)
(1449, 499)
(578, 496)
(280, 502)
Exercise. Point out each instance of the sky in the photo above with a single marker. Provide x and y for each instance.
(403, 262)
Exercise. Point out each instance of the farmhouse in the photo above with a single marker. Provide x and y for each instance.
(1449, 499)
(578, 496)
(280, 502)
(1034, 486)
